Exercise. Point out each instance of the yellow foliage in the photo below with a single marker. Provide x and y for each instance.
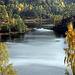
(21, 5)
(4, 58)
(57, 2)
(13, 20)
(70, 51)
(30, 8)
(63, 4)
(68, 65)
(19, 9)
(60, 3)
(20, 19)
(3, 54)
(42, 7)
(6, 16)
(70, 28)
(44, 1)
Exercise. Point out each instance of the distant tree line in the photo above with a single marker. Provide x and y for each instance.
(13, 12)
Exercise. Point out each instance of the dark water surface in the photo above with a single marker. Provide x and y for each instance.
(37, 53)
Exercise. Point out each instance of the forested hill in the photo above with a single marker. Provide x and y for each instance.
(14, 12)
(33, 8)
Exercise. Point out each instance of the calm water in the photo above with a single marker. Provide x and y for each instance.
(37, 53)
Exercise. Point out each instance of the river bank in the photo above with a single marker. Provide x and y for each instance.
(16, 32)
(37, 20)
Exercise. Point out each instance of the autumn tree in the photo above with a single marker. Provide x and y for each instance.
(70, 51)
(5, 68)
(20, 7)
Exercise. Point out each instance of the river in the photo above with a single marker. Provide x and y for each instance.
(37, 53)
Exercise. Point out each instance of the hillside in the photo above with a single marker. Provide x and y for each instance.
(14, 12)
(33, 8)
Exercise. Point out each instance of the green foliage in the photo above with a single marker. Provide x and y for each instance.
(31, 9)
(35, 8)
(14, 25)
(9, 21)
(16, 16)
(1, 2)
(3, 12)
(57, 20)
(69, 10)
(19, 25)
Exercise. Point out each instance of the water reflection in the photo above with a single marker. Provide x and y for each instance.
(9, 38)
(43, 34)
(59, 34)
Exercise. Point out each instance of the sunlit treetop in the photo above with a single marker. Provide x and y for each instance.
(42, 7)
(20, 7)
(70, 28)
(13, 20)
(61, 3)
(30, 8)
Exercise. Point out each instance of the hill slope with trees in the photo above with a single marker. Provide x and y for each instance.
(14, 12)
